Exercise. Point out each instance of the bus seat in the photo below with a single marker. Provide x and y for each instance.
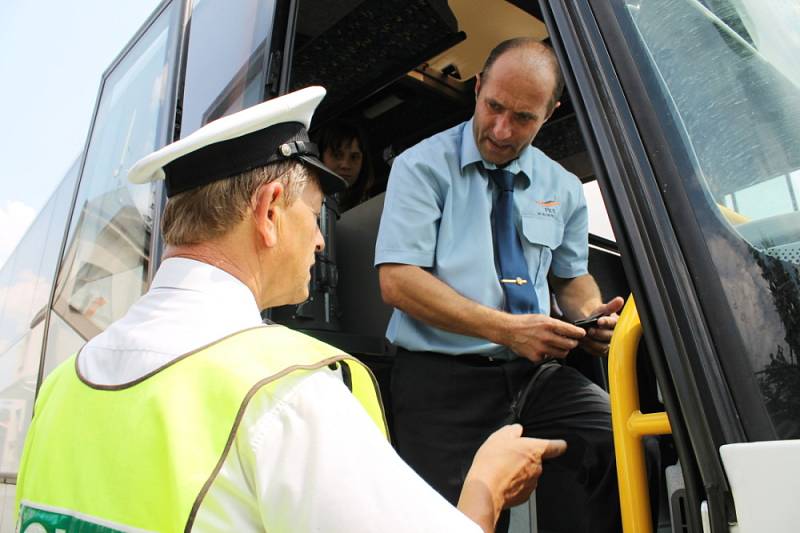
(364, 316)
(362, 308)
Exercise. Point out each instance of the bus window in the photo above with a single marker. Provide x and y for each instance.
(225, 63)
(741, 127)
(598, 216)
(105, 263)
(25, 283)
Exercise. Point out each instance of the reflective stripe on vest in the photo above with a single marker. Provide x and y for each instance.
(141, 456)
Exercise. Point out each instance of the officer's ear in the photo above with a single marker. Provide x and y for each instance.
(268, 207)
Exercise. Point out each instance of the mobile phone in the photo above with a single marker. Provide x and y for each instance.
(588, 322)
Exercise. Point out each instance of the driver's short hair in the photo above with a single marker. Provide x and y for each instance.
(542, 51)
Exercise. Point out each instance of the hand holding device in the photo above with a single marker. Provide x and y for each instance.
(588, 322)
(597, 342)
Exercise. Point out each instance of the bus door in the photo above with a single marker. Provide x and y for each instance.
(691, 111)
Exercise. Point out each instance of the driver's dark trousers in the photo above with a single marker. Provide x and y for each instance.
(445, 407)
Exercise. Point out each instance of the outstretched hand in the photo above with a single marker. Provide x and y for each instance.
(597, 339)
(504, 473)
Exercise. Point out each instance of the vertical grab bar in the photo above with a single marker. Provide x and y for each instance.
(629, 424)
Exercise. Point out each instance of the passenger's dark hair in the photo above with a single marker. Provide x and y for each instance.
(335, 135)
(543, 51)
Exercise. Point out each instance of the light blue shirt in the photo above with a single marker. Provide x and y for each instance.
(437, 215)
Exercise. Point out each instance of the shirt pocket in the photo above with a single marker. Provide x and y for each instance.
(542, 231)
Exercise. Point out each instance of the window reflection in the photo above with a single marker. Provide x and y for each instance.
(734, 84)
(19, 368)
(62, 342)
(779, 377)
(225, 75)
(7, 310)
(25, 283)
(774, 196)
(106, 258)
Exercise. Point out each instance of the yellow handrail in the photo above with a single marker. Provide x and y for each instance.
(629, 423)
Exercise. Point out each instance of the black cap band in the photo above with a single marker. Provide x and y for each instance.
(225, 159)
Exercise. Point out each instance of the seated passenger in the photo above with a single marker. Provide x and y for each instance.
(343, 149)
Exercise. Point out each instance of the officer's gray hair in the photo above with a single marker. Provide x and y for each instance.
(209, 212)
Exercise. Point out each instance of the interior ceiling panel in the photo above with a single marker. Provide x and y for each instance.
(507, 21)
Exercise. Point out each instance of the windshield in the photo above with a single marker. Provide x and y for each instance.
(730, 74)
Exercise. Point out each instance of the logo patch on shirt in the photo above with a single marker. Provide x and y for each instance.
(548, 208)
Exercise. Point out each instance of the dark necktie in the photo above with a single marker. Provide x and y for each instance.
(514, 276)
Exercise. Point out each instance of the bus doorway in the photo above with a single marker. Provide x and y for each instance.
(401, 72)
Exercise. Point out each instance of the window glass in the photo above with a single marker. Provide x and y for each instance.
(19, 370)
(59, 207)
(62, 342)
(225, 75)
(25, 285)
(5, 276)
(19, 367)
(7, 308)
(598, 216)
(25, 281)
(741, 122)
(38, 253)
(106, 258)
(795, 178)
(729, 71)
(750, 203)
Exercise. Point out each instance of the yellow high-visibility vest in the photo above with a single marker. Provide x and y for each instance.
(141, 456)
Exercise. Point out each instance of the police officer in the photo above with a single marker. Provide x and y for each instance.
(189, 413)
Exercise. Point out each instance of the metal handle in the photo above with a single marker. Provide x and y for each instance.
(629, 424)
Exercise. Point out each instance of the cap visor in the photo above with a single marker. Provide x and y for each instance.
(329, 181)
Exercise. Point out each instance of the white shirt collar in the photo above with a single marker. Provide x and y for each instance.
(188, 274)
(190, 304)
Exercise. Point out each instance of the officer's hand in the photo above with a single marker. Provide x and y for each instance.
(597, 339)
(539, 337)
(505, 471)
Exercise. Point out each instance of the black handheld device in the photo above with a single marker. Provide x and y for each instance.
(588, 322)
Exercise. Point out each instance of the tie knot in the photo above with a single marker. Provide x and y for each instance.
(503, 178)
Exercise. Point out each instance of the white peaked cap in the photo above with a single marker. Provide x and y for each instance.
(273, 131)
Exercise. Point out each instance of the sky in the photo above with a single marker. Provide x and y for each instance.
(52, 56)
